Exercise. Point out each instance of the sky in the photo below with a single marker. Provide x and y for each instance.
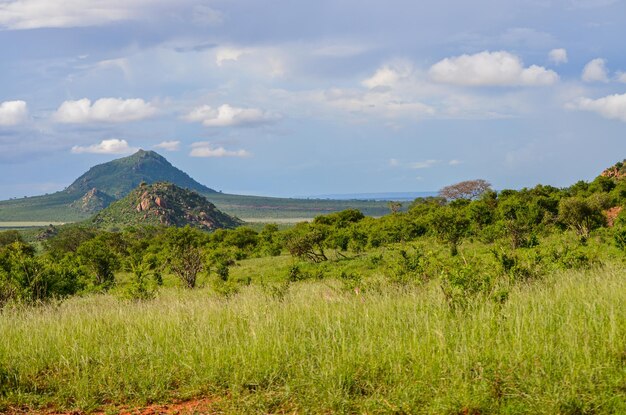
(296, 98)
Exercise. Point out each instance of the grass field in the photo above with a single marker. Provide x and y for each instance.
(25, 224)
(557, 346)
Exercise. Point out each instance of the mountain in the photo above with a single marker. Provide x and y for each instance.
(118, 177)
(163, 204)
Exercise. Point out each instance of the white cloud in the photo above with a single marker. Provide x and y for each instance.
(490, 68)
(33, 14)
(169, 145)
(621, 77)
(394, 162)
(389, 75)
(203, 149)
(558, 56)
(383, 77)
(455, 162)
(228, 54)
(595, 71)
(111, 146)
(13, 112)
(612, 106)
(228, 116)
(426, 164)
(112, 110)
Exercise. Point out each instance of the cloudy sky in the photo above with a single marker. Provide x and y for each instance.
(288, 98)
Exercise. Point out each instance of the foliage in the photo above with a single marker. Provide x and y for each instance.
(185, 256)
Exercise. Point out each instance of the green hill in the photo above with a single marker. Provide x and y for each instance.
(118, 177)
(163, 204)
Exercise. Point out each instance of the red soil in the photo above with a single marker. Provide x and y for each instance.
(193, 407)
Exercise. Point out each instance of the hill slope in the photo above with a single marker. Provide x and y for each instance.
(118, 177)
(163, 204)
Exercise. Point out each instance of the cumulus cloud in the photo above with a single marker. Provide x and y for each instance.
(490, 68)
(13, 112)
(111, 110)
(558, 56)
(455, 162)
(204, 149)
(621, 77)
(33, 14)
(111, 146)
(228, 116)
(612, 106)
(169, 145)
(595, 71)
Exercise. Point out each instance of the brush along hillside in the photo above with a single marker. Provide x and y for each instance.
(163, 204)
(107, 182)
(477, 302)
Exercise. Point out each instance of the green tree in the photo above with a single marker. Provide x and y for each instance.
(185, 254)
(581, 215)
(450, 225)
(100, 259)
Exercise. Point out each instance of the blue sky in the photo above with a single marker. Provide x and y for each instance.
(292, 98)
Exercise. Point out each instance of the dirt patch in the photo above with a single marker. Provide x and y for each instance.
(192, 407)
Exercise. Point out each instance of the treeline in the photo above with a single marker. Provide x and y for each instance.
(75, 259)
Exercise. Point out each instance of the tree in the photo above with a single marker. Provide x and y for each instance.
(581, 215)
(101, 260)
(469, 189)
(308, 243)
(394, 207)
(517, 220)
(184, 254)
(450, 225)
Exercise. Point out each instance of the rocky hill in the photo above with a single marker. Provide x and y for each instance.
(618, 171)
(163, 204)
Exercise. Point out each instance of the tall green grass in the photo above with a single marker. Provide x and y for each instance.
(556, 346)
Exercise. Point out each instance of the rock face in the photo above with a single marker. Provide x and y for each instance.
(163, 204)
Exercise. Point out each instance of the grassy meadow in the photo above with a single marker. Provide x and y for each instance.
(556, 346)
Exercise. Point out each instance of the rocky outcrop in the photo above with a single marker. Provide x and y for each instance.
(164, 204)
(93, 201)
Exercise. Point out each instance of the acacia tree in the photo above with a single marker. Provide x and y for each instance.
(469, 190)
(307, 242)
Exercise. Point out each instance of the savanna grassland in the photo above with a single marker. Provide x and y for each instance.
(510, 302)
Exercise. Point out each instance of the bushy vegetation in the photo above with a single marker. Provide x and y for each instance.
(498, 302)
